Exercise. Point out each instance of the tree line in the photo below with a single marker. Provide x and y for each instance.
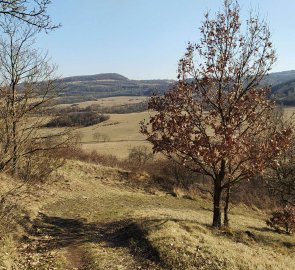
(77, 119)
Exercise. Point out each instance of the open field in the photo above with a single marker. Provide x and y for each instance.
(108, 102)
(95, 218)
(114, 101)
(119, 127)
(122, 132)
(289, 111)
(119, 149)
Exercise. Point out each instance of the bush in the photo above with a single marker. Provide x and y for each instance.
(139, 156)
(283, 219)
(77, 153)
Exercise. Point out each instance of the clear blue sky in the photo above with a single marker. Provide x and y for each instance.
(144, 39)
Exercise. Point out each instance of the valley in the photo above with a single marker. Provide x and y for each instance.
(181, 156)
(92, 216)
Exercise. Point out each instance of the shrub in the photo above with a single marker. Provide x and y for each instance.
(283, 219)
(77, 153)
(139, 156)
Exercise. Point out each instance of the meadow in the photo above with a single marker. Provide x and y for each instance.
(97, 217)
(117, 135)
(90, 216)
(108, 102)
(122, 130)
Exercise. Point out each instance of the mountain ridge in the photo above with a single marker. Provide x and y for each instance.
(95, 77)
(91, 87)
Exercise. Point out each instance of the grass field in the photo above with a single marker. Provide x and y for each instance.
(92, 217)
(108, 102)
(122, 131)
(114, 101)
(95, 218)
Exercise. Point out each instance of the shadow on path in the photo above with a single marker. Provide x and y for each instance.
(56, 232)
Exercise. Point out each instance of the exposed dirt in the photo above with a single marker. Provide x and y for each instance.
(116, 243)
(76, 259)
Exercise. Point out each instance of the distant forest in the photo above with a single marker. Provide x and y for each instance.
(85, 88)
(92, 87)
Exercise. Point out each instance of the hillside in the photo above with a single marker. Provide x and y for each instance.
(285, 92)
(92, 87)
(97, 217)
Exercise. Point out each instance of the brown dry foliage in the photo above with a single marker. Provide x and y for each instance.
(217, 119)
(283, 219)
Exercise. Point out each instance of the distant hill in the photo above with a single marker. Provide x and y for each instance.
(91, 87)
(97, 77)
(276, 78)
(283, 87)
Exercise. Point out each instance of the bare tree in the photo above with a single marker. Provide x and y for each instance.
(139, 156)
(217, 119)
(32, 12)
(27, 85)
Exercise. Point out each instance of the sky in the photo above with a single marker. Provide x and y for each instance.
(144, 39)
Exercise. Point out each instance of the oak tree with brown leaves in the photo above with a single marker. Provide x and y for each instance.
(217, 119)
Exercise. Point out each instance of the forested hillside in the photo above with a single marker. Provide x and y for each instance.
(91, 87)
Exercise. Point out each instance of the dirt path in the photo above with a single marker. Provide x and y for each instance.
(74, 244)
(75, 257)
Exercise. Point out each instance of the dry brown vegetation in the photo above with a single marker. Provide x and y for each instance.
(94, 216)
(126, 209)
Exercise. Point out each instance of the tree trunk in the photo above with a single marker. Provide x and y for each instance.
(216, 205)
(226, 205)
(14, 142)
(217, 195)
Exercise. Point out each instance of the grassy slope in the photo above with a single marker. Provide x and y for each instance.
(94, 220)
(122, 130)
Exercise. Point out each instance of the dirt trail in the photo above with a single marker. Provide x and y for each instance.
(75, 257)
(86, 246)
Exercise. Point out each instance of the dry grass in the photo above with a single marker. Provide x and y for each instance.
(119, 149)
(95, 212)
(17, 201)
(122, 131)
(289, 111)
(118, 127)
(108, 102)
(189, 245)
(114, 101)
(176, 228)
